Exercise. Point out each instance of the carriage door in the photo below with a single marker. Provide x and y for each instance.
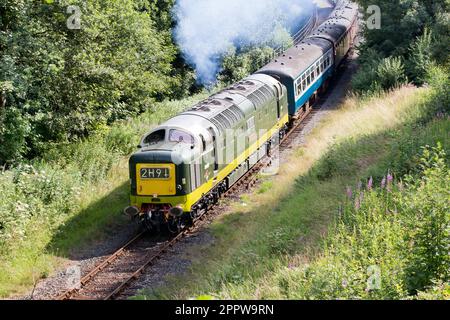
(215, 153)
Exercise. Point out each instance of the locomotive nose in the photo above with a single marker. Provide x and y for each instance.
(153, 173)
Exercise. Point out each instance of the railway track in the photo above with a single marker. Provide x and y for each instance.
(109, 279)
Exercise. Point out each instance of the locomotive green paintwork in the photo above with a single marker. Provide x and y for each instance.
(229, 130)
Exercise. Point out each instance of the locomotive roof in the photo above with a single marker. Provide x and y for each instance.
(297, 59)
(222, 110)
(233, 104)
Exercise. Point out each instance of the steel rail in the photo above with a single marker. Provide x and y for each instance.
(105, 263)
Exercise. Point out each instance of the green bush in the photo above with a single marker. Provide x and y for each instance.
(14, 131)
(416, 32)
(426, 211)
(391, 73)
(379, 74)
(33, 198)
(420, 58)
(237, 66)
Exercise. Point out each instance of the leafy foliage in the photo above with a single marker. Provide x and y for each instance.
(411, 31)
(68, 83)
(237, 66)
(391, 73)
(387, 243)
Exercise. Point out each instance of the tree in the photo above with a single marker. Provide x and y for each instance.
(66, 82)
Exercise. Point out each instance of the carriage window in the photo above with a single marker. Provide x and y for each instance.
(180, 136)
(155, 137)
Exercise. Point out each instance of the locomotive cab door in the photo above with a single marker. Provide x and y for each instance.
(215, 151)
(279, 92)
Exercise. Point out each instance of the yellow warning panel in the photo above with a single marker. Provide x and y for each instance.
(156, 179)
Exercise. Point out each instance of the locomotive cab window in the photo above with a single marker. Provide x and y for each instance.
(155, 137)
(180, 137)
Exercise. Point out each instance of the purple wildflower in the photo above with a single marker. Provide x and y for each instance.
(349, 193)
(344, 283)
(383, 183)
(357, 204)
(390, 178)
(361, 198)
(370, 184)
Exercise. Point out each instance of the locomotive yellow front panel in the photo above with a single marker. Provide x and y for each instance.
(156, 179)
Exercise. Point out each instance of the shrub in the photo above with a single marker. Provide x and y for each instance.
(14, 130)
(420, 58)
(238, 65)
(33, 196)
(426, 211)
(391, 73)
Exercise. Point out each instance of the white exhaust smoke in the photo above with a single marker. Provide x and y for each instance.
(206, 29)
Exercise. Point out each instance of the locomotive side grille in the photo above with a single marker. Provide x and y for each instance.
(228, 118)
(218, 124)
(260, 97)
(237, 112)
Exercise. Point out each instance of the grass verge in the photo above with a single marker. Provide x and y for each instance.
(263, 250)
